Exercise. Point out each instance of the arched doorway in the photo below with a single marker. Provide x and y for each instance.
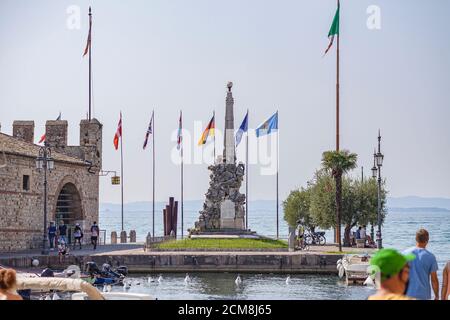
(68, 206)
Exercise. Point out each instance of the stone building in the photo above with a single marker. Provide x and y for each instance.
(73, 184)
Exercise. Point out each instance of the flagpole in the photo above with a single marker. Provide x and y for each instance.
(182, 177)
(246, 176)
(278, 139)
(153, 147)
(214, 119)
(90, 64)
(338, 228)
(337, 91)
(121, 165)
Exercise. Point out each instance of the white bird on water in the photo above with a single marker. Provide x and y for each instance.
(187, 279)
(151, 279)
(160, 278)
(56, 297)
(126, 285)
(288, 279)
(238, 280)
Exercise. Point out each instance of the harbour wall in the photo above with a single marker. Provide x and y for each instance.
(160, 262)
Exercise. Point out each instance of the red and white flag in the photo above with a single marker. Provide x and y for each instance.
(118, 134)
(88, 44)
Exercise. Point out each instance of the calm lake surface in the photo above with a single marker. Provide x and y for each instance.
(398, 232)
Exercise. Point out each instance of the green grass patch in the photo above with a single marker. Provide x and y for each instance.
(223, 244)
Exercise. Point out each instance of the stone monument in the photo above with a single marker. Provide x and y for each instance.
(223, 209)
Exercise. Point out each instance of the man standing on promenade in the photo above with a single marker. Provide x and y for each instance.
(52, 235)
(392, 268)
(423, 268)
(62, 231)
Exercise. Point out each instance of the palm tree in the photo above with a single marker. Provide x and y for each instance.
(339, 163)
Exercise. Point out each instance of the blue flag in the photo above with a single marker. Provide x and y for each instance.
(242, 129)
(268, 126)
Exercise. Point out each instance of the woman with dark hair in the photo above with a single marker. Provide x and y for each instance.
(8, 285)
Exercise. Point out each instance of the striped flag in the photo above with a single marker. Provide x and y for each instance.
(88, 44)
(209, 131)
(242, 129)
(180, 129)
(149, 131)
(334, 30)
(118, 134)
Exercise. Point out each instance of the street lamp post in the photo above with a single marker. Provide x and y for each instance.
(378, 163)
(45, 162)
(374, 175)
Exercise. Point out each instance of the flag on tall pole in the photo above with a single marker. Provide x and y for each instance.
(334, 32)
(87, 50)
(180, 147)
(118, 136)
(150, 131)
(334, 29)
(209, 132)
(244, 129)
(269, 126)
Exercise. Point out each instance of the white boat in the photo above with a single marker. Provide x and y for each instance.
(115, 296)
(355, 268)
(83, 290)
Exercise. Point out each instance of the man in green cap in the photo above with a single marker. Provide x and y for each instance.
(392, 268)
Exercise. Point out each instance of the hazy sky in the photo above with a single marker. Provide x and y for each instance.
(177, 54)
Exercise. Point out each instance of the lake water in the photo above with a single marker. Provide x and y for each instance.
(398, 232)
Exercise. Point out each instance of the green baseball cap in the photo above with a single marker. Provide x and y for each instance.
(390, 262)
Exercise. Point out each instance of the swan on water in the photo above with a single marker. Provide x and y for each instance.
(187, 279)
(160, 278)
(56, 297)
(288, 279)
(238, 280)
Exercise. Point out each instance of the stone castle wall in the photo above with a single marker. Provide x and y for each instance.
(21, 198)
(22, 211)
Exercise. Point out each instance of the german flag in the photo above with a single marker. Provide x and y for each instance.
(209, 131)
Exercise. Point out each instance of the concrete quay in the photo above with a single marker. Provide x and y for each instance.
(318, 260)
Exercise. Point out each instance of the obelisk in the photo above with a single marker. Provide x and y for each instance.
(229, 155)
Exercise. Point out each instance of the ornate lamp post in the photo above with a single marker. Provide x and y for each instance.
(45, 162)
(378, 161)
(374, 175)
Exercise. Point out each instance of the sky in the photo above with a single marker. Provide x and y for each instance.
(172, 55)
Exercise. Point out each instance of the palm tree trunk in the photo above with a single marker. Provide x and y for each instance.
(347, 230)
(338, 177)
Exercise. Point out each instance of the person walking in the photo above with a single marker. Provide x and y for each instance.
(423, 269)
(445, 294)
(95, 231)
(78, 235)
(392, 268)
(62, 231)
(8, 285)
(52, 235)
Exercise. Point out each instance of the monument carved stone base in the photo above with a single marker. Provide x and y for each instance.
(224, 205)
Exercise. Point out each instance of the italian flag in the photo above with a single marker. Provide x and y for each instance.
(334, 30)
